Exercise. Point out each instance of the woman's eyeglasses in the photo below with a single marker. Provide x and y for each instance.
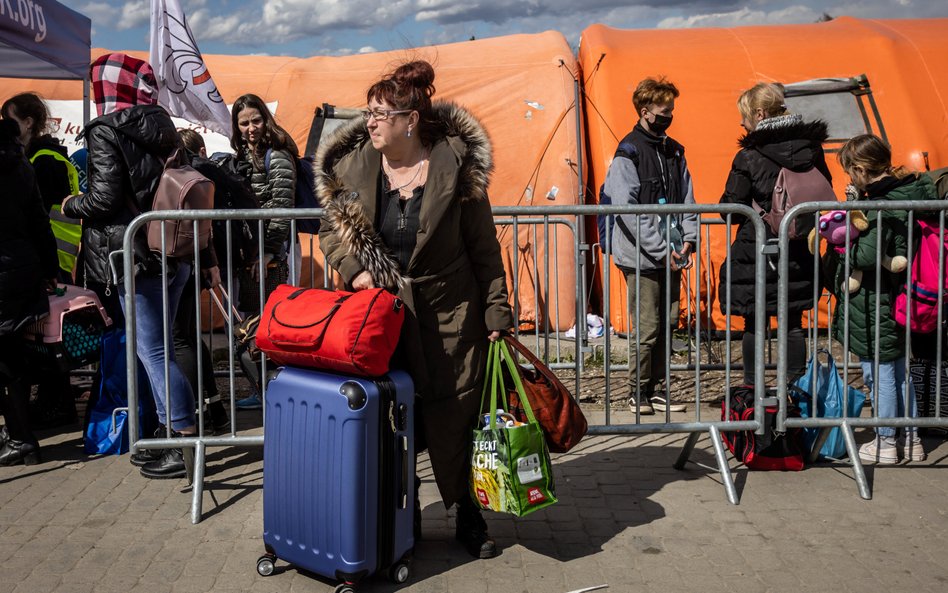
(383, 114)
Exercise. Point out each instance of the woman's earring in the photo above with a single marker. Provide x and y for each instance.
(409, 132)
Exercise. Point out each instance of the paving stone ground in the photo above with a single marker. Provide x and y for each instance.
(626, 518)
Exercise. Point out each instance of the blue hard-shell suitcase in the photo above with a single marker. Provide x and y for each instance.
(338, 474)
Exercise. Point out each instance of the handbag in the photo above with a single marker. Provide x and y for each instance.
(510, 465)
(829, 403)
(345, 332)
(561, 418)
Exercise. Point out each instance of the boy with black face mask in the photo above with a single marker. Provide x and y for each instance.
(649, 168)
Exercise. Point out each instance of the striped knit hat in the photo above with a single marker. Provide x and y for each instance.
(120, 81)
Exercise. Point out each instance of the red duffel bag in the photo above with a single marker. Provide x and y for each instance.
(346, 332)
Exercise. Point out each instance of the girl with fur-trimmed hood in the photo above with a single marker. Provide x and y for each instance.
(775, 138)
(406, 204)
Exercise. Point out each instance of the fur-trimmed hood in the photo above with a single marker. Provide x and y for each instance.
(449, 120)
(792, 145)
(346, 169)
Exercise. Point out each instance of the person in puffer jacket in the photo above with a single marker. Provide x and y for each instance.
(128, 144)
(258, 140)
(867, 159)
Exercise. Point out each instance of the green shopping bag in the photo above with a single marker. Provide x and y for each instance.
(510, 465)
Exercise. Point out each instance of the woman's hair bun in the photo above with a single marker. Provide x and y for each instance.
(418, 74)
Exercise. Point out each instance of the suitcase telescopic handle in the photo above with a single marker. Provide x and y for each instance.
(403, 499)
(220, 305)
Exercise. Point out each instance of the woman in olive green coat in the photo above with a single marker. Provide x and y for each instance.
(868, 161)
(405, 194)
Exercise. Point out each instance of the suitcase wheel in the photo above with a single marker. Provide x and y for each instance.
(265, 565)
(344, 588)
(399, 572)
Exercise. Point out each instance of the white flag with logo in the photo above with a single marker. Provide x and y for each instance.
(186, 89)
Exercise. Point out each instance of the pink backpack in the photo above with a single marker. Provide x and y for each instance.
(794, 188)
(180, 188)
(923, 282)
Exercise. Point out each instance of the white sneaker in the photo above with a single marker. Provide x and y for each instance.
(660, 403)
(881, 450)
(644, 410)
(912, 449)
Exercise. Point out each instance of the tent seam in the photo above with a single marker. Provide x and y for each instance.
(921, 57)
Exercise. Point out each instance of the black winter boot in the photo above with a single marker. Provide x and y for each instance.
(21, 445)
(471, 530)
(169, 466)
(148, 455)
(13, 452)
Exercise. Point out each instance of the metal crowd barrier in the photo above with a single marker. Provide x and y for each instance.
(702, 257)
(545, 224)
(846, 424)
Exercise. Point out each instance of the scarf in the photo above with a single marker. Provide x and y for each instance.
(120, 81)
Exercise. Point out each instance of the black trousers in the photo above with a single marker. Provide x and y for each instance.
(14, 388)
(796, 348)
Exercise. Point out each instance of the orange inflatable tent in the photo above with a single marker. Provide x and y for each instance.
(520, 86)
(903, 61)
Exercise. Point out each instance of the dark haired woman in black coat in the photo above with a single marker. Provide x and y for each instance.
(28, 266)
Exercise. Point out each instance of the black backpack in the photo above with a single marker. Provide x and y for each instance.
(770, 451)
(232, 191)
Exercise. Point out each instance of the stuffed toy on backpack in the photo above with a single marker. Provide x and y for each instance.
(832, 227)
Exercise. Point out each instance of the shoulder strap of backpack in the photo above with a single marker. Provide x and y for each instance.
(780, 170)
(627, 150)
(266, 160)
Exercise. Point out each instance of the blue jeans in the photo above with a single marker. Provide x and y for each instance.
(150, 344)
(891, 400)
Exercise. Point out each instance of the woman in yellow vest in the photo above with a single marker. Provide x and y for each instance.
(55, 174)
(56, 178)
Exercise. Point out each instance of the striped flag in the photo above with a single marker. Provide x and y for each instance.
(186, 89)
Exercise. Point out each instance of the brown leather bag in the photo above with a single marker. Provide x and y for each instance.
(555, 409)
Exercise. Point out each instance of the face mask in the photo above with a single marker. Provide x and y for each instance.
(660, 123)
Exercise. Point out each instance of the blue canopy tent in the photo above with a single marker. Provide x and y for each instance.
(45, 41)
